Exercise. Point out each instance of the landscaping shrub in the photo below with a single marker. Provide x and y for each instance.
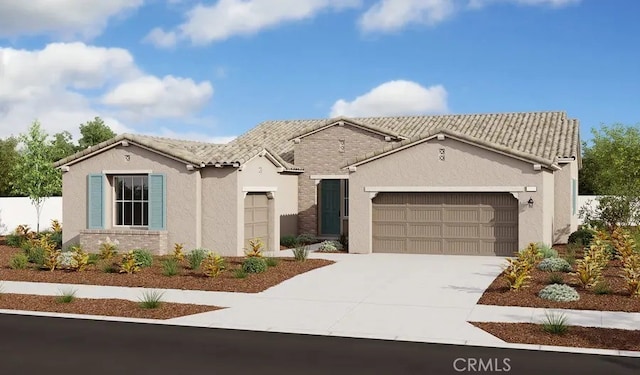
(240, 274)
(255, 248)
(301, 253)
(530, 255)
(14, 240)
(556, 278)
(559, 293)
(306, 239)
(546, 251)
(151, 299)
(143, 257)
(66, 296)
(170, 267)
(288, 241)
(631, 273)
(195, 258)
(622, 242)
(213, 265)
(177, 252)
(271, 261)
(80, 258)
(555, 324)
(93, 258)
(56, 238)
(129, 264)
(65, 259)
(109, 268)
(589, 269)
(554, 265)
(517, 274)
(602, 287)
(35, 255)
(19, 261)
(582, 236)
(328, 246)
(108, 248)
(254, 265)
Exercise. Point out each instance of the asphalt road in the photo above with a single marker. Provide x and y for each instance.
(39, 345)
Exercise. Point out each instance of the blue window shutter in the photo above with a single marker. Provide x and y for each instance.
(95, 201)
(157, 202)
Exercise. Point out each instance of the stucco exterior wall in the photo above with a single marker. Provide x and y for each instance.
(548, 202)
(566, 221)
(180, 190)
(220, 211)
(320, 154)
(464, 166)
(262, 173)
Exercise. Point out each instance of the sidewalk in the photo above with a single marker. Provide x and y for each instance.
(264, 312)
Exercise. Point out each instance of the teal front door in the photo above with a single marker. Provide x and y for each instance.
(330, 207)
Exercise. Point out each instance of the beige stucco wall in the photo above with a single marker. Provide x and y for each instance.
(565, 220)
(259, 173)
(181, 192)
(464, 166)
(220, 210)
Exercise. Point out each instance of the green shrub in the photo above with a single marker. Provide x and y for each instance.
(14, 240)
(143, 257)
(240, 273)
(555, 324)
(19, 261)
(195, 258)
(151, 299)
(288, 241)
(271, 261)
(554, 265)
(301, 253)
(56, 238)
(93, 258)
(582, 236)
(170, 267)
(67, 296)
(109, 268)
(330, 246)
(254, 265)
(559, 293)
(602, 287)
(36, 255)
(306, 239)
(547, 251)
(556, 278)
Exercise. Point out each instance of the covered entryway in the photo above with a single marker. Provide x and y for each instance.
(445, 223)
(256, 218)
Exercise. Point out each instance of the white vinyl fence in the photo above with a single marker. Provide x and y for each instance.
(18, 211)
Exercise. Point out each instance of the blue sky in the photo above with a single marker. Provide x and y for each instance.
(211, 70)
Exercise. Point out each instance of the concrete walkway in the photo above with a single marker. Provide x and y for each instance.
(384, 296)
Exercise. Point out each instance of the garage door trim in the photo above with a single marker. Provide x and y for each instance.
(446, 189)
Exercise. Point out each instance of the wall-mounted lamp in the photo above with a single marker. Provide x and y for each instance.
(530, 202)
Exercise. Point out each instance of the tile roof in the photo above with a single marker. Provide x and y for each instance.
(542, 136)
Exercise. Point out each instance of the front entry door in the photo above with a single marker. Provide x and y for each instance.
(330, 207)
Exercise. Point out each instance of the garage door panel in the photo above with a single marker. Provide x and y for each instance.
(445, 223)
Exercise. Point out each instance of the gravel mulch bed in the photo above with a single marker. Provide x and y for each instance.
(576, 336)
(619, 299)
(104, 307)
(152, 277)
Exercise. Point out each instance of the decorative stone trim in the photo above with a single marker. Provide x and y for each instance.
(156, 241)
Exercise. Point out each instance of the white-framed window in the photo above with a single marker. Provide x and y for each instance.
(131, 200)
(345, 199)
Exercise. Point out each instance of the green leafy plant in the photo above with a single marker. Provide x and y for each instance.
(254, 265)
(330, 246)
(559, 293)
(603, 287)
(35, 254)
(255, 248)
(66, 296)
(213, 265)
(108, 248)
(143, 257)
(581, 237)
(301, 253)
(170, 267)
(195, 258)
(288, 241)
(109, 267)
(239, 273)
(555, 324)
(546, 251)
(151, 299)
(93, 258)
(271, 261)
(556, 278)
(306, 239)
(129, 263)
(554, 265)
(19, 261)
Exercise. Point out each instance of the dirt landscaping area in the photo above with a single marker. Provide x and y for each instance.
(106, 273)
(104, 307)
(616, 298)
(582, 337)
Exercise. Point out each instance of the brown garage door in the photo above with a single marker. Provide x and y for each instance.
(445, 223)
(256, 218)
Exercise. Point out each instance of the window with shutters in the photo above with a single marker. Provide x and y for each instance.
(131, 199)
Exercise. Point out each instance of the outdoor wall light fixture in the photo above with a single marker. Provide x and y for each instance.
(530, 201)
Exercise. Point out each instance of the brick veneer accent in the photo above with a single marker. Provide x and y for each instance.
(152, 240)
(319, 154)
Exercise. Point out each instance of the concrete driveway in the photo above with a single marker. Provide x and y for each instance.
(391, 296)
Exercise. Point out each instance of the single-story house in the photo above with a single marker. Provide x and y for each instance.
(483, 184)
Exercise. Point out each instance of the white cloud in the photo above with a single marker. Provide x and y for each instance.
(227, 18)
(150, 96)
(392, 15)
(395, 98)
(67, 18)
(61, 84)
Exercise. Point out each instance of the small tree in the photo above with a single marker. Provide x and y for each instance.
(94, 132)
(35, 176)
